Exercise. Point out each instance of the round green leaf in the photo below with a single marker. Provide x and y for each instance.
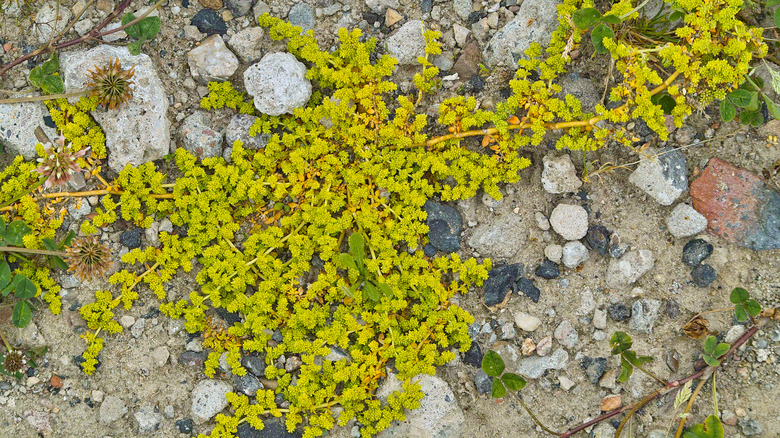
(513, 381)
(752, 307)
(597, 36)
(739, 295)
(498, 389)
(492, 364)
(740, 313)
(22, 314)
(752, 118)
(5, 274)
(665, 101)
(371, 292)
(626, 369)
(610, 19)
(584, 18)
(711, 361)
(15, 231)
(710, 343)
(620, 342)
(25, 288)
(727, 110)
(720, 350)
(741, 98)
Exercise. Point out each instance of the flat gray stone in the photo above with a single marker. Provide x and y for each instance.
(208, 399)
(685, 221)
(534, 367)
(534, 23)
(500, 238)
(628, 269)
(147, 419)
(17, 127)
(246, 43)
(407, 43)
(644, 312)
(112, 409)
(278, 84)
(663, 176)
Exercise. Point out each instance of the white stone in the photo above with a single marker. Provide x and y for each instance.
(527, 322)
(212, 60)
(208, 399)
(17, 127)
(569, 221)
(559, 175)
(685, 221)
(553, 252)
(535, 22)
(534, 367)
(112, 409)
(574, 253)
(278, 84)
(628, 269)
(138, 131)
(407, 43)
(50, 21)
(461, 34)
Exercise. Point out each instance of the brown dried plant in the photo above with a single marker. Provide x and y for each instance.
(112, 85)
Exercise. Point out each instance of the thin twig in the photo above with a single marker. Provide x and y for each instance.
(688, 406)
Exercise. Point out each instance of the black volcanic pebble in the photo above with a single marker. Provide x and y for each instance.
(500, 282)
(131, 238)
(548, 269)
(209, 22)
(703, 275)
(619, 312)
(696, 251)
(598, 238)
(527, 286)
(473, 356)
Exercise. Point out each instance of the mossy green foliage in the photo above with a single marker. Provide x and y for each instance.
(77, 126)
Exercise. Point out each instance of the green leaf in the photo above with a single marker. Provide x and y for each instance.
(739, 295)
(371, 292)
(754, 105)
(610, 19)
(777, 18)
(57, 263)
(674, 16)
(385, 289)
(22, 314)
(774, 109)
(149, 27)
(597, 36)
(15, 231)
(357, 248)
(712, 428)
(635, 360)
(740, 313)
(25, 288)
(752, 118)
(134, 30)
(134, 48)
(752, 307)
(709, 344)
(68, 238)
(665, 101)
(50, 245)
(2, 228)
(52, 85)
(498, 389)
(5, 274)
(626, 370)
(513, 381)
(584, 18)
(720, 350)
(711, 361)
(492, 364)
(620, 342)
(741, 98)
(727, 110)
(772, 3)
(347, 261)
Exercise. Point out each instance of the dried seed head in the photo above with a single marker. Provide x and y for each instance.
(88, 259)
(59, 163)
(15, 361)
(112, 85)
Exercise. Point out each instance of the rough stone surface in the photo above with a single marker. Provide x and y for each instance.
(238, 129)
(548, 270)
(644, 312)
(629, 268)
(444, 226)
(208, 399)
(246, 43)
(696, 251)
(112, 409)
(535, 22)
(138, 131)
(407, 43)
(239, 8)
(483, 382)
(619, 312)
(301, 15)
(527, 287)
(17, 126)
(438, 415)
(500, 282)
(559, 175)
(147, 420)
(534, 367)
(664, 176)
(527, 322)
(594, 368)
(247, 384)
(574, 253)
(473, 356)
(209, 22)
(685, 221)
(278, 84)
(738, 205)
(566, 334)
(50, 20)
(199, 138)
(553, 252)
(570, 221)
(499, 239)
(212, 60)
(703, 275)
(581, 88)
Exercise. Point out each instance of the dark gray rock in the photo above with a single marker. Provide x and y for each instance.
(483, 382)
(501, 281)
(209, 22)
(548, 270)
(272, 429)
(444, 226)
(619, 312)
(248, 384)
(751, 427)
(131, 238)
(427, 6)
(193, 358)
(429, 250)
(594, 368)
(598, 238)
(302, 15)
(703, 275)
(185, 426)
(696, 251)
(474, 355)
(527, 286)
(239, 8)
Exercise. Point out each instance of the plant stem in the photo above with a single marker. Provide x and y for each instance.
(684, 417)
(660, 380)
(536, 420)
(48, 97)
(628, 14)
(27, 192)
(46, 252)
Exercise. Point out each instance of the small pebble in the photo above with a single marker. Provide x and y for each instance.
(703, 275)
(548, 270)
(696, 251)
(619, 312)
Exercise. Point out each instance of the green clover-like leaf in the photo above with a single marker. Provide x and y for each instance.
(620, 342)
(5, 274)
(513, 381)
(740, 313)
(711, 361)
(492, 364)
(752, 307)
(584, 18)
(709, 344)
(740, 97)
(712, 428)
(727, 110)
(720, 350)
(15, 231)
(498, 389)
(25, 288)
(598, 34)
(739, 295)
(22, 314)
(371, 292)
(751, 118)
(610, 19)
(626, 369)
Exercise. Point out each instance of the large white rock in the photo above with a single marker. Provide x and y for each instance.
(570, 221)
(49, 21)
(17, 127)
(138, 131)
(208, 399)
(534, 23)
(212, 61)
(407, 43)
(559, 175)
(278, 84)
